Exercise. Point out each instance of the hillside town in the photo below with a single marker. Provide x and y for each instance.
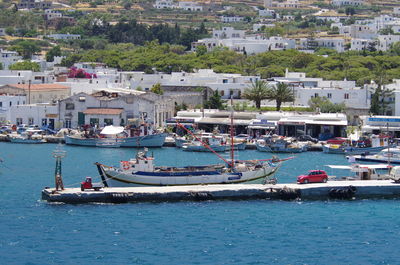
(331, 61)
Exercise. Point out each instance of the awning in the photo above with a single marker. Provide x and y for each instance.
(326, 122)
(112, 130)
(224, 121)
(102, 111)
(369, 128)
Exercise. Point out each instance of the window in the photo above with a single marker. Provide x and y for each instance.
(329, 95)
(1, 104)
(30, 121)
(316, 95)
(68, 123)
(44, 122)
(19, 121)
(222, 93)
(346, 95)
(94, 121)
(224, 81)
(69, 106)
(82, 99)
(10, 103)
(108, 122)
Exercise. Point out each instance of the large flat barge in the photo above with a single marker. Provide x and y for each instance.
(319, 191)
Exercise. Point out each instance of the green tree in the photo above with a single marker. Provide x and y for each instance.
(281, 93)
(214, 101)
(157, 89)
(323, 104)
(201, 50)
(55, 51)
(25, 65)
(258, 91)
(26, 48)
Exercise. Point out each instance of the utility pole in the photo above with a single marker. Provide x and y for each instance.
(29, 92)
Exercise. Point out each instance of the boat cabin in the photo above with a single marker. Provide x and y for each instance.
(141, 163)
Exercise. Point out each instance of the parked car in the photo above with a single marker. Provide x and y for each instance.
(304, 138)
(313, 176)
(337, 140)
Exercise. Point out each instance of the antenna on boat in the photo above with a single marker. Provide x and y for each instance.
(58, 154)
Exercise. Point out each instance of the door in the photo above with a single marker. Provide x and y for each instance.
(51, 124)
(81, 118)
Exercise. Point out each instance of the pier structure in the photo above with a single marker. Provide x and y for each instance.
(318, 191)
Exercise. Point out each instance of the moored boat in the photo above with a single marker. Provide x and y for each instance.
(112, 136)
(280, 146)
(372, 145)
(141, 171)
(388, 155)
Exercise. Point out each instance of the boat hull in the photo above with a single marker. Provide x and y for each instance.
(113, 177)
(353, 150)
(266, 148)
(155, 140)
(27, 141)
(376, 159)
(200, 148)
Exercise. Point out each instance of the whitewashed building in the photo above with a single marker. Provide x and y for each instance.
(115, 107)
(7, 101)
(362, 44)
(24, 76)
(226, 84)
(385, 42)
(189, 6)
(52, 14)
(266, 13)
(60, 36)
(161, 4)
(35, 114)
(348, 2)
(314, 43)
(228, 32)
(226, 19)
(8, 58)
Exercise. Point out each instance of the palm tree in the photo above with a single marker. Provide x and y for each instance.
(281, 93)
(258, 91)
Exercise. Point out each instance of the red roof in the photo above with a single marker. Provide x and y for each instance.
(40, 87)
(100, 111)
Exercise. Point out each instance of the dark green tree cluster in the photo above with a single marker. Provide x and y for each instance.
(324, 105)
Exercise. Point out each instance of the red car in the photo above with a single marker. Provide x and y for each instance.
(313, 176)
(337, 140)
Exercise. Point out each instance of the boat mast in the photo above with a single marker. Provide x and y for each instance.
(232, 135)
(203, 143)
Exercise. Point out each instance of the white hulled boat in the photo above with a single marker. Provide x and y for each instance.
(141, 171)
(388, 155)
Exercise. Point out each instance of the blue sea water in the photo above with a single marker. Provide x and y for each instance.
(215, 232)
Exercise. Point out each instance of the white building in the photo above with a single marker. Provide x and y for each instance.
(161, 4)
(385, 42)
(2, 31)
(8, 58)
(396, 10)
(259, 27)
(226, 19)
(248, 45)
(359, 31)
(115, 107)
(266, 13)
(189, 6)
(6, 102)
(35, 114)
(362, 44)
(226, 84)
(24, 76)
(348, 2)
(64, 36)
(314, 43)
(228, 32)
(52, 14)
(306, 88)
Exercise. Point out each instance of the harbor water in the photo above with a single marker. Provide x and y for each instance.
(214, 232)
